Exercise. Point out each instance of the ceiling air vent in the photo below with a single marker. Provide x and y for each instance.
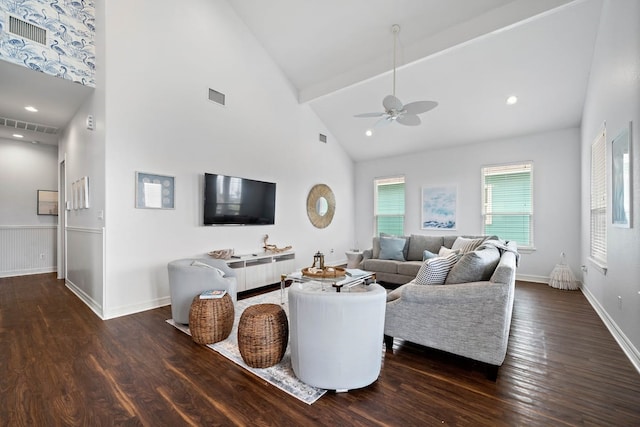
(35, 127)
(323, 138)
(216, 96)
(27, 30)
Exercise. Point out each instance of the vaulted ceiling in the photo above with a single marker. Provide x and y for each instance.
(468, 55)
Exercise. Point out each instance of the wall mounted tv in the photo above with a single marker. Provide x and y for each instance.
(230, 200)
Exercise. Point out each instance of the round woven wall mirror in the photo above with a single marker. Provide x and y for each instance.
(321, 205)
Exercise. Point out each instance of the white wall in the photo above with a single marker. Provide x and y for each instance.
(27, 240)
(25, 168)
(556, 195)
(158, 120)
(613, 97)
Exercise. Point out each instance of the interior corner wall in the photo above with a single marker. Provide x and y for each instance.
(26, 168)
(556, 192)
(613, 97)
(160, 121)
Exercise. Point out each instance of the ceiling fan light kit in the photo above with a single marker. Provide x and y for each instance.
(394, 110)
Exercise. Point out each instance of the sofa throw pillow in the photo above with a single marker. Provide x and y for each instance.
(474, 266)
(434, 271)
(392, 248)
(205, 265)
(464, 244)
(419, 243)
(428, 255)
(444, 251)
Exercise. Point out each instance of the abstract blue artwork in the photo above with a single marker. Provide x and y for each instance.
(439, 207)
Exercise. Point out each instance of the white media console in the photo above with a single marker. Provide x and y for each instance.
(261, 269)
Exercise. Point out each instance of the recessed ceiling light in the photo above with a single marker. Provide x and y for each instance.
(31, 108)
(512, 100)
(369, 132)
(17, 135)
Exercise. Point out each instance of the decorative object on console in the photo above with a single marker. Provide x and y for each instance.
(273, 248)
(221, 253)
(321, 205)
(439, 207)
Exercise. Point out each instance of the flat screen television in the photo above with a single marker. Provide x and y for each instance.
(230, 200)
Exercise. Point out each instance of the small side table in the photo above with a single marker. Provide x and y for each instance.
(263, 335)
(354, 258)
(211, 320)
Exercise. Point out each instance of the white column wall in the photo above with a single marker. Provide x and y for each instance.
(613, 96)
(159, 67)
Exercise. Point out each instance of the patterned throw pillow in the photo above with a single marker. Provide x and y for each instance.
(465, 244)
(434, 271)
(444, 251)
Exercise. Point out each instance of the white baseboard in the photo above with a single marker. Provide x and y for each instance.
(125, 310)
(28, 272)
(532, 278)
(629, 349)
(84, 297)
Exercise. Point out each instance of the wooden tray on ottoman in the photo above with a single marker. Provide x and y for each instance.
(325, 273)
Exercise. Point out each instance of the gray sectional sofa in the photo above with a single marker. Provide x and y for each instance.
(471, 319)
(401, 271)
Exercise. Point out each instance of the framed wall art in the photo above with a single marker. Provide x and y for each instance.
(621, 179)
(47, 202)
(439, 205)
(155, 191)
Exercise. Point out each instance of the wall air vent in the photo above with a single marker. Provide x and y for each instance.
(35, 127)
(323, 138)
(28, 31)
(217, 97)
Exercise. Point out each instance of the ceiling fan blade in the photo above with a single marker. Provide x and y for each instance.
(420, 107)
(383, 121)
(370, 115)
(409, 120)
(390, 102)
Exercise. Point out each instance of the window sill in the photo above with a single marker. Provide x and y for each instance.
(599, 265)
(526, 250)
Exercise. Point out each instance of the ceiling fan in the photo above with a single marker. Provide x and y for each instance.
(394, 110)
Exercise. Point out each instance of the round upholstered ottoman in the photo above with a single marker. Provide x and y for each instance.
(263, 334)
(211, 320)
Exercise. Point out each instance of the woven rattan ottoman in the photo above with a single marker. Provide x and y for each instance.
(211, 320)
(263, 334)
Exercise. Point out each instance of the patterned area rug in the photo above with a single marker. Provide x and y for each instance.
(280, 375)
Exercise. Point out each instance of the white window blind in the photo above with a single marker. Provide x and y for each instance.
(599, 199)
(389, 206)
(507, 202)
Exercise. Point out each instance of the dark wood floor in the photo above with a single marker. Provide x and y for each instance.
(61, 365)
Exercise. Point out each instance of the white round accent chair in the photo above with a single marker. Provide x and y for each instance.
(336, 337)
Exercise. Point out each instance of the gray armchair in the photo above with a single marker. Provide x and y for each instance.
(187, 280)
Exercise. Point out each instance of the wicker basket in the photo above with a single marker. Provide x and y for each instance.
(211, 320)
(263, 334)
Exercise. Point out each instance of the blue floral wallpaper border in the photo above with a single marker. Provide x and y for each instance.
(69, 52)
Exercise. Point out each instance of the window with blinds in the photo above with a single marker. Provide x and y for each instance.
(598, 212)
(507, 202)
(389, 206)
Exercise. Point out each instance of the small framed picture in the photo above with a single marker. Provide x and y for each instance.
(47, 202)
(155, 191)
(621, 170)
